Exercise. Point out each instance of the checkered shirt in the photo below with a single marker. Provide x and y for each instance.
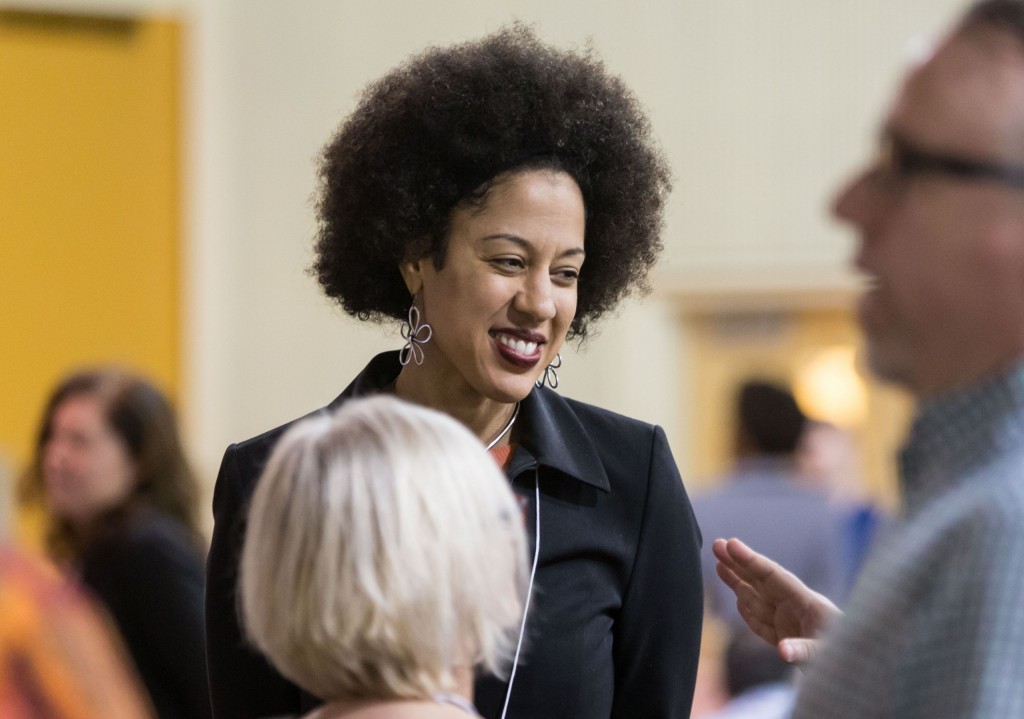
(935, 626)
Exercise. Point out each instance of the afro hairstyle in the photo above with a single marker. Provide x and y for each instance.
(436, 132)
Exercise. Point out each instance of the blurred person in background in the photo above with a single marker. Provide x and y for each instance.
(766, 500)
(386, 561)
(120, 502)
(499, 196)
(934, 627)
(827, 457)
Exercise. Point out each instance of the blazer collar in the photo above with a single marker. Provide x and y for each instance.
(548, 431)
(551, 433)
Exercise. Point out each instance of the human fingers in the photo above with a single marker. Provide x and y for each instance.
(755, 612)
(758, 570)
(727, 574)
(798, 651)
(720, 548)
(746, 558)
(749, 600)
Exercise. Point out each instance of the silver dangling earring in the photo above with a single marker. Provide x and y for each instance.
(550, 375)
(413, 334)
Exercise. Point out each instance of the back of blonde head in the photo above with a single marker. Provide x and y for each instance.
(384, 549)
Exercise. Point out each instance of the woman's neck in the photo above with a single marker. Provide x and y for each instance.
(483, 416)
(461, 686)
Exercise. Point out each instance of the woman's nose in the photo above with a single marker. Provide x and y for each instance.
(536, 298)
(53, 457)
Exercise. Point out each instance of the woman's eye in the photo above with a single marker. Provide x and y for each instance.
(567, 276)
(509, 263)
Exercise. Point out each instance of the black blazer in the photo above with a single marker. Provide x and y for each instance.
(614, 628)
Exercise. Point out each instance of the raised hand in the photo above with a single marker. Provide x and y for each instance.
(773, 602)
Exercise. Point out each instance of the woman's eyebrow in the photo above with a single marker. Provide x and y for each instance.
(526, 244)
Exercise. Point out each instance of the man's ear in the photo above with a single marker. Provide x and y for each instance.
(412, 273)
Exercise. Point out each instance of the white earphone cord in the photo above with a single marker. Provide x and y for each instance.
(529, 593)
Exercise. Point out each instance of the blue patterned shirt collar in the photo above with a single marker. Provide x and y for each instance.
(956, 434)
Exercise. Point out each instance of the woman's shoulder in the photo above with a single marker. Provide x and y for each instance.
(596, 445)
(148, 545)
(378, 374)
(264, 441)
(246, 459)
(603, 424)
(148, 534)
(250, 455)
(150, 525)
(600, 414)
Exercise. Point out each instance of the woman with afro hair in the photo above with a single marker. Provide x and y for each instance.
(496, 197)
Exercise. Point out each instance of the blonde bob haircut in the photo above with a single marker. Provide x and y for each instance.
(384, 549)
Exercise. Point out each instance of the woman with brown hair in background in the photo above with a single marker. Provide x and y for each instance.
(121, 500)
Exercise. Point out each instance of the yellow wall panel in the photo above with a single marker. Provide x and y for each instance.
(89, 205)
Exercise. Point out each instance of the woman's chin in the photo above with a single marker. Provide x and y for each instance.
(510, 389)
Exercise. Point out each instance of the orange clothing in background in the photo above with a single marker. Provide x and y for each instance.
(58, 657)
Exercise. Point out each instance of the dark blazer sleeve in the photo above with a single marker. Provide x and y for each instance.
(657, 635)
(242, 683)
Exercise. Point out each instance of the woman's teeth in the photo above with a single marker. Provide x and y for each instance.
(519, 346)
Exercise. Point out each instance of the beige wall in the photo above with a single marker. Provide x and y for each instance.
(762, 106)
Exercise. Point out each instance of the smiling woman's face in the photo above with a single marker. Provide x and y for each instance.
(501, 306)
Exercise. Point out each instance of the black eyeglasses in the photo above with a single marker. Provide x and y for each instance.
(897, 162)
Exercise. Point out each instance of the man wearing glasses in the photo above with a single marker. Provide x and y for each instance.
(935, 625)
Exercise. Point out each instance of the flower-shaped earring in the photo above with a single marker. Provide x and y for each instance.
(415, 335)
(550, 376)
